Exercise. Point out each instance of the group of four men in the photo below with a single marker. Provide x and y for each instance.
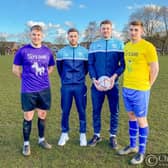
(139, 63)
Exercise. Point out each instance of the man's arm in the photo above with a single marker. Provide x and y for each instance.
(16, 69)
(119, 71)
(59, 67)
(154, 70)
(121, 67)
(86, 67)
(91, 66)
(50, 69)
(113, 78)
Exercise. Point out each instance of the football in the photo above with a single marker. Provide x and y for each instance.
(104, 81)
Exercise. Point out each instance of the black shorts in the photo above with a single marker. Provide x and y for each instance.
(41, 100)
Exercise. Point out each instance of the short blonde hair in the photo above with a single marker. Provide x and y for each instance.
(36, 27)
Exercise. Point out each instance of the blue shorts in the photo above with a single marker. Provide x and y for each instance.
(41, 100)
(136, 101)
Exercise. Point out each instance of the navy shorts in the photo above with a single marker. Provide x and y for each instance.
(33, 100)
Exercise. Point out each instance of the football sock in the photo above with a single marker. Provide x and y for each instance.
(133, 129)
(41, 140)
(26, 143)
(98, 134)
(26, 129)
(143, 135)
(112, 135)
(41, 127)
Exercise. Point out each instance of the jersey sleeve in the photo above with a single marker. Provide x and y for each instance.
(151, 54)
(91, 61)
(51, 61)
(86, 60)
(18, 58)
(121, 66)
(122, 46)
(59, 55)
(59, 61)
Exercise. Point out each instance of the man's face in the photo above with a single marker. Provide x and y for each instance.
(135, 32)
(106, 31)
(36, 37)
(73, 38)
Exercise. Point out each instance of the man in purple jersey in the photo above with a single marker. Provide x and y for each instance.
(37, 63)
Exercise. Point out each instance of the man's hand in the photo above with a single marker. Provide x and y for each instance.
(154, 70)
(112, 81)
(97, 85)
(50, 69)
(16, 69)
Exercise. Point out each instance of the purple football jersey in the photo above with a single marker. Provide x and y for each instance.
(35, 63)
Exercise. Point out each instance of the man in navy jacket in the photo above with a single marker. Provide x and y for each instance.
(72, 65)
(106, 58)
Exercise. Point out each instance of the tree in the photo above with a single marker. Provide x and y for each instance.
(125, 33)
(164, 19)
(23, 37)
(155, 20)
(91, 32)
(149, 15)
(60, 39)
(2, 36)
(59, 35)
(2, 43)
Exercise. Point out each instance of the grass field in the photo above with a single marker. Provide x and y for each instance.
(72, 155)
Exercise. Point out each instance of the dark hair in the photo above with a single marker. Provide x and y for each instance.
(136, 23)
(36, 27)
(72, 30)
(105, 22)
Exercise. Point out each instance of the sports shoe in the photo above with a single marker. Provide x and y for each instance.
(63, 139)
(137, 159)
(127, 150)
(94, 140)
(113, 142)
(44, 144)
(83, 141)
(26, 150)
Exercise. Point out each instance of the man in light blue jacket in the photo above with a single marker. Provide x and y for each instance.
(72, 65)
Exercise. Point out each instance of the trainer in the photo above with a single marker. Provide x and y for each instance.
(106, 58)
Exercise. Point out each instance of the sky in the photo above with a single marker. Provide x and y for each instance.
(59, 15)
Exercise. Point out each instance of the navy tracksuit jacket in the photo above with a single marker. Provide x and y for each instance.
(106, 57)
(72, 66)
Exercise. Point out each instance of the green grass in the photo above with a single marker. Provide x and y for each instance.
(72, 155)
